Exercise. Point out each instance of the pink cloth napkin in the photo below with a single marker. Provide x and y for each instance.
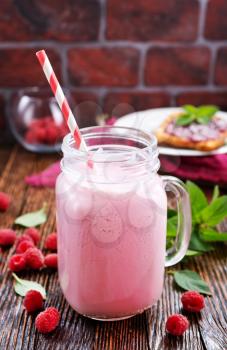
(46, 178)
(210, 168)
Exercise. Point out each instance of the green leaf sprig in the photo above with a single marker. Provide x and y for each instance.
(33, 219)
(22, 286)
(205, 218)
(201, 114)
(190, 280)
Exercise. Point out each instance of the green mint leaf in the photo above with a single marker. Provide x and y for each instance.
(204, 119)
(215, 212)
(32, 219)
(216, 193)
(22, 286)
(197, 198)
(172, 226)
(185, 119)
(192, 253)
(190, 280)
(207, 111)
(197, 244)
(212, 235)
(190, 109)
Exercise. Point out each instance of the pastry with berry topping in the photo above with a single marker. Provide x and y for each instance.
(199, 128)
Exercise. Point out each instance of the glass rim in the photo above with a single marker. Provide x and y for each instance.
(148, 141)
(28, 91)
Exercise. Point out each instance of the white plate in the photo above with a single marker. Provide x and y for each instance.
(151, 119)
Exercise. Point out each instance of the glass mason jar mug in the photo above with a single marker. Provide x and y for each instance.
(111, 222)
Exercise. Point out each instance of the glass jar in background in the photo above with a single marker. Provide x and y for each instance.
(36, 120)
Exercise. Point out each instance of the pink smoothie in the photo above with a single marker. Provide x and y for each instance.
(111, 244)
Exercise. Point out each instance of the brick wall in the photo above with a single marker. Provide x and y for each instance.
(119, 55)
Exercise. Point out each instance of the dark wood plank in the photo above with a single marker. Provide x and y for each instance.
(145, 331)
(4, 156)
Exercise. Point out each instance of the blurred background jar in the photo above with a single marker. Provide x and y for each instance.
(36, 120)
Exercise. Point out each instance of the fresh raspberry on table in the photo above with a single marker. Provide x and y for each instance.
(23, 238)
(23, 246)
(177, 324)
(17, 262)
(192, 301)
(7, 237)
(51, 260)
(51, 241)
(33, 233)
(4, 201)
(33, 301)
(47, 320)
(34, 258)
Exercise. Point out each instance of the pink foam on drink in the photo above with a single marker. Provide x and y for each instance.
(111, 245)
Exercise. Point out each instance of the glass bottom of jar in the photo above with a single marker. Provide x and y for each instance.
(120, 318)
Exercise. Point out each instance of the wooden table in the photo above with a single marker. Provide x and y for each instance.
(145, 331)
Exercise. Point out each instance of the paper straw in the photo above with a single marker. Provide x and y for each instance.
(61, 100)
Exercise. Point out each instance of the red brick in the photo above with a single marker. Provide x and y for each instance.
(216, 24)
(177, 66)
(144, 20)
(86, 107)
(20, 67)
(103, 66)
(53, 20)
(221, 67)
(203, 98)
(127, 102)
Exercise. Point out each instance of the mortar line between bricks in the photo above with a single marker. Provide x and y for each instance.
(112, 44)
(213, 58)
(202, 19)
(63, 55)
(102, 91)
(102, 24)
(141, 68)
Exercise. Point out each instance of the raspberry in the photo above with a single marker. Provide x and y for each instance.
(63, 130)
(51, 260)
(4, 201)
(51, 134)
(37, 123)
(48, 120)
(40, 134)
(30, 136)
(177, 324)
(192, 301)
(23, 238)
(33, 233)
(33, 301)
(17, 262)
(7, 237)
(23, 246)
(51, 241)
(47, 320)
(34, 258)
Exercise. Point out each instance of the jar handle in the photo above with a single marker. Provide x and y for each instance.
(183, 235)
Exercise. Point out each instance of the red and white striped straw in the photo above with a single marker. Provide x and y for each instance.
(61, 99)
